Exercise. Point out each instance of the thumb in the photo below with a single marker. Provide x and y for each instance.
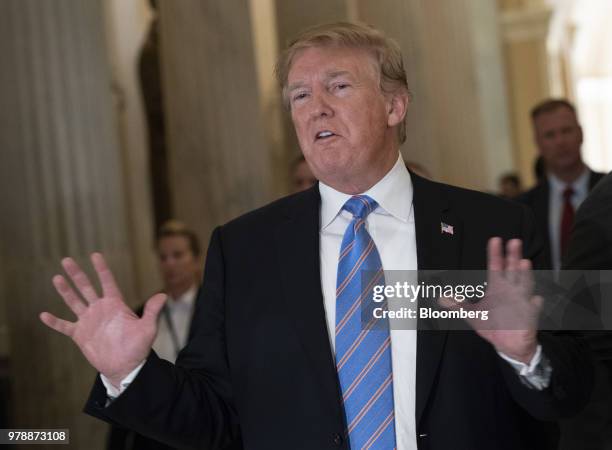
(153, 306)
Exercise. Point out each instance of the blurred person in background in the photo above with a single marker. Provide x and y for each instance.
(179, 254)
(178, 251)
(301, 175)
(510, 185)
(558, 136)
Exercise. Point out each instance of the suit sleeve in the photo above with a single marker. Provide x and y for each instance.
(190, 404)
(571, 380)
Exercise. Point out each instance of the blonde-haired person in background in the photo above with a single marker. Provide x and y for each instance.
(179, 259)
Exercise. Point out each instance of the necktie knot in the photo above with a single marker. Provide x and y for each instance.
(567, 193)
(360, 206)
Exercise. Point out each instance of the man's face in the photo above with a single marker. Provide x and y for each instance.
(178, 265)
(559, 138)
(346, 127)
(302, 177)
(508, 189)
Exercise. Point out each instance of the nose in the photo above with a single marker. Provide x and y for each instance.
(321, 107)
(559, 140)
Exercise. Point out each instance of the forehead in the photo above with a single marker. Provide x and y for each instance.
(557, 117)
(324, 62)
(173, 242)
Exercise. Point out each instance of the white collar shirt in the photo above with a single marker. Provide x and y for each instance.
(391, 226)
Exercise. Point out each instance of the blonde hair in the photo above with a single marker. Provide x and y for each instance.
(172, 228)
(351, 35)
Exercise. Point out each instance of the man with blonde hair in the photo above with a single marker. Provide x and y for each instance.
(279, 358)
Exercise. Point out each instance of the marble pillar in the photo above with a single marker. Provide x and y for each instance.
(61, 193)
(219, 159)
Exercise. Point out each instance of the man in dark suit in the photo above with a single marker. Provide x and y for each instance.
(590, 250)
(278, 358)
(554, 200)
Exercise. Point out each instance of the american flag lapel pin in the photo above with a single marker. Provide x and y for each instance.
(446, 228)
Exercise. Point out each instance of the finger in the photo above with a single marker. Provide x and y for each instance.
(538, 302)
(495, 257)
(80, 280)
(450, 302)
(526, 274)
(63, 326)
(153, 306)
(514, 249)
(447, 302)
(70, 297)
(107, 280)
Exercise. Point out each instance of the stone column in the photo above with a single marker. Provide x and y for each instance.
(61, 193)
(219, 160)
(458, 124)
(525, 27)
(266, 46)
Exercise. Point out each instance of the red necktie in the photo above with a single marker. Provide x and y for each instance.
(567, 218)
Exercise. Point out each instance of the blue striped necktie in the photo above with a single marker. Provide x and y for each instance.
(363, 358)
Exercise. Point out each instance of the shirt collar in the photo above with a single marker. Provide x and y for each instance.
(580, 184)
(393, 193)
(185, 300)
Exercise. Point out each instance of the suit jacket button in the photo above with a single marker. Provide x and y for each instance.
(337, 439)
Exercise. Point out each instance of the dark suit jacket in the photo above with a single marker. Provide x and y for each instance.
(259, 363)
(537, 199)
(591, 244)
(590, 249)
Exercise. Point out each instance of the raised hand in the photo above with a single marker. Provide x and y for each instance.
(112, 338)
(513, 310)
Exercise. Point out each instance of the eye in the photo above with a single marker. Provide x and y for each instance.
(299, 96)
(340, 86)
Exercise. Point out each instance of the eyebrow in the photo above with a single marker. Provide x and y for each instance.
(336, 74)
(328, 76)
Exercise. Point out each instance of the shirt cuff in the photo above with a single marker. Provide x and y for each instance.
(111, 391)
(536, 374)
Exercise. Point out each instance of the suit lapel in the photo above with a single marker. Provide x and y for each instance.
(436, 249)
(297, 245)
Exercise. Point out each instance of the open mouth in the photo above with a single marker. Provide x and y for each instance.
(325, 134)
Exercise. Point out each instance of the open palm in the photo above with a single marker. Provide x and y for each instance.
(513, 310)
(112, 338)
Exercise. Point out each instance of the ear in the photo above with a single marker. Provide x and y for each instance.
(397, 105)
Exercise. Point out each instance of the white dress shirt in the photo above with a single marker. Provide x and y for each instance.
(392, 228)
(555, 203)
(179, 312)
